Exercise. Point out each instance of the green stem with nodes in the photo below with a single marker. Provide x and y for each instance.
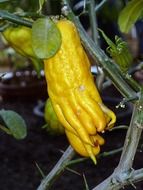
(5, 15)
(123, 174)
(133, 137)
(64, 162)
(115, 184)
(132, 82)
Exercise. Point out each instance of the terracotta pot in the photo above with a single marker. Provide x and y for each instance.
(23, 84)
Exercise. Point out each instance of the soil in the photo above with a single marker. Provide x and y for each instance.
(18, 158)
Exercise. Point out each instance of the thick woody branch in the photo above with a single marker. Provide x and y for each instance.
(114, 182)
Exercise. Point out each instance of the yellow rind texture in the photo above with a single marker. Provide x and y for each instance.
(73, 93)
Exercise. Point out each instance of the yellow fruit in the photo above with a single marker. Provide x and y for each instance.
(73, 93)
(20, 39)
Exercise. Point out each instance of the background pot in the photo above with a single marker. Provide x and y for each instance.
(23, 84)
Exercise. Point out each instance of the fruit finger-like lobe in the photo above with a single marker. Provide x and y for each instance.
(75, 123)
(110, 114)
(97, 139)
(62, 119)
(93, 109)
(85, 149)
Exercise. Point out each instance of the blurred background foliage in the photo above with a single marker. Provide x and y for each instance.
(16, 5)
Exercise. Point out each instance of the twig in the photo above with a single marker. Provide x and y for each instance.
(133, 177)
(93, 21)
(101, 155)
(64, 163)
(86, 184)
(95, 36)
(57, 170)
(82, 4)
(132, 138)
(119, 127)
(109, 153)
(100, 5)
(14, 18)
(122, 175)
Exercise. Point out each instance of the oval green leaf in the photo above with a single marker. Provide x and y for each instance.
(130, 14)
(46, 38)
(15, 123)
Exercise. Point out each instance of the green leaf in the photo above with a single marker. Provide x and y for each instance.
(46, 38)
(119, 52)
(14, 123)
(109, 42)
(129, 15)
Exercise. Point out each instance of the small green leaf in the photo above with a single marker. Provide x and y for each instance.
(46, 38)
(14, 123)
(119, 52)
(129, 15)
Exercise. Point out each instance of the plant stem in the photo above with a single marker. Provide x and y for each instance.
(93, 21)
(83, 4)
(123, 173)
(119, 127)
(57, 170)
(95, 36)
(134, 84)
(115, 184)
(100, 5)
(112, 152)
(14, 18)
(64, 162)
(132, 138)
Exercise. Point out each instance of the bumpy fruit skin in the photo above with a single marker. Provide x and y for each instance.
(74, 141)
(54, 127)
(20, 39)
(73, 93)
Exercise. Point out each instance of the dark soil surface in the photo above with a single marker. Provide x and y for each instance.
(18, 158)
